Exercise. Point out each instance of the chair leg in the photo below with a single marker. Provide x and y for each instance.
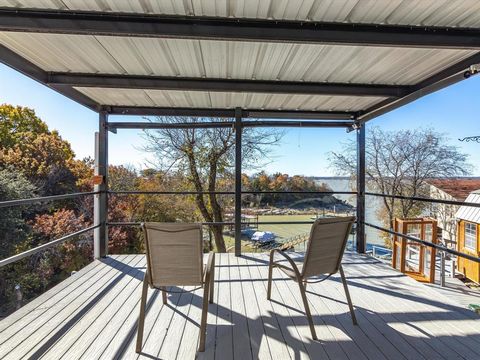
(270, 272)
(203, 322)
(347, 293)
(164, 295)
(307, 309)
(141, 318)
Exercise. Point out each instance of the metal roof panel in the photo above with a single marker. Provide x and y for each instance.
(231, 60)
(201, 99)
(446, 13)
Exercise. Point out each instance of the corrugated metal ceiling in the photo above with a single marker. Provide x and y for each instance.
(224, 100)
(450, 13)
(247, 60)
(230, 60)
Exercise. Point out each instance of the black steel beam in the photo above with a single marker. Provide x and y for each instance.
(100, 201)
(298, 123)
(22, 65)
(440, 80)
(224, 124)
(121, 24)
(299, 114)
(238, 181)
(361, 236)
(229, 113)
(229, 85)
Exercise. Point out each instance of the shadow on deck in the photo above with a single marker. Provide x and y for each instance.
(94, 315)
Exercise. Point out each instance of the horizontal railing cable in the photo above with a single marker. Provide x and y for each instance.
(138, 192)
(30, 201)
(135, 192)
(426, 243)
(42, 247)
(218, 223)
(416, 198)
(302, 192)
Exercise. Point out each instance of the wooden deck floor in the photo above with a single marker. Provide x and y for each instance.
(94, 313)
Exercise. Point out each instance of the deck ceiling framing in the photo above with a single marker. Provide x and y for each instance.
(227, 29)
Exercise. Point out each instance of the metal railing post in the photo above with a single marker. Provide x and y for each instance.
(361, 241)
(238, 182)
(100, 236)
(442, 268)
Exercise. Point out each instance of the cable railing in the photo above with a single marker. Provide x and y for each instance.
(138, 192)
(45, 246)
(19, 202)
(42, 247)
(420, 241)
(426, 243)
(425, 199)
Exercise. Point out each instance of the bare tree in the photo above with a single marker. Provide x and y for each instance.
(207, 156)
(400, 163)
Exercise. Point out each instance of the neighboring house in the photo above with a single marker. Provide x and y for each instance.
(454, 189)
(468, 235)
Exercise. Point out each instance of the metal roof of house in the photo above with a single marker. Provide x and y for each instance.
(328, 59)
(470, 213)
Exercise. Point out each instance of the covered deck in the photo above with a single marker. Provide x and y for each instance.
(94, 315)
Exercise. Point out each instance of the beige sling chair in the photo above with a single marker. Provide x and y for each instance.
(325, 247)
(174, 254)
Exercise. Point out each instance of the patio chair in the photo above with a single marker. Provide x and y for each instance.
(174, 254)
(325, 248)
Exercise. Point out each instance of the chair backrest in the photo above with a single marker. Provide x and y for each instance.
(328, 238)
(174, 254)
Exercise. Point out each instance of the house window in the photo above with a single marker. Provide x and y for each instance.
(471, 236)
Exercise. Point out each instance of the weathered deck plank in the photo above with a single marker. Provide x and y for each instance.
(94, 315)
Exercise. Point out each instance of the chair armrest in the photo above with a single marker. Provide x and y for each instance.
(210, 266)
(289, 259)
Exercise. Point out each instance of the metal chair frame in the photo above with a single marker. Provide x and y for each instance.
(208, 279)
(302, 280)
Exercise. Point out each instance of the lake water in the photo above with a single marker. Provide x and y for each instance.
(373, 204)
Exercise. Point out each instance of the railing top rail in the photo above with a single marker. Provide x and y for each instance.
(417, 198)
(30, 201)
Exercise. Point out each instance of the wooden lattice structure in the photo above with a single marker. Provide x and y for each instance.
(413, 258)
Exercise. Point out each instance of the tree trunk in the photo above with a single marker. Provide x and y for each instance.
(217, 231)
(216, 208)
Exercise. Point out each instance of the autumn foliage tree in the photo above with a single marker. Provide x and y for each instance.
(278, 182)
(35, 161)
(39, 154)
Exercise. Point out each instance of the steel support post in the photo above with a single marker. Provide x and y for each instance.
(238, 181)
(361, 239)
(442, 268)
(100, 235)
